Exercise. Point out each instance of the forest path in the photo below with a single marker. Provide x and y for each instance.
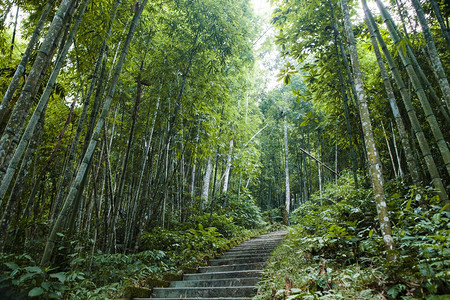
(232, 276)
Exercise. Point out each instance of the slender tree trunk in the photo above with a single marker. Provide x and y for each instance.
(428, 85)
(87, 157)
(206, 181)
(444, 29)
(417, 67)
(287, 203)
(50, 159)
(70, 163)
(442, 145)
(228, 168)
(394, 168)
(134, 200)
(435, 60)
(372, 153)
(20, 113)
(345, 99)
(410, 161)
(23, 63)
(5, 13)
(19, 185)
(13, 39)
(423, 143)
(40, 107)
(399, 161)
(141, 175)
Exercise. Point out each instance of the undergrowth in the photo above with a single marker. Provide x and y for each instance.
(82, 273)
(335, 250)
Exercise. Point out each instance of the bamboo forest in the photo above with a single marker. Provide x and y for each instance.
(224, 149)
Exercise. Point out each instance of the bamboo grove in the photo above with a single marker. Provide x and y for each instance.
(115, 111)
(122, 116)
(367, 98)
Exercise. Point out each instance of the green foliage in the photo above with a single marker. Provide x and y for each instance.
(20, 276)
(242, 210)
(223, 224)
(193, 246)
(106, 276)
(335, 251)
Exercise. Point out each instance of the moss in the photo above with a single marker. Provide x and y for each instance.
(136, 292)
(189, 270)
(152, 282)
(173, 276)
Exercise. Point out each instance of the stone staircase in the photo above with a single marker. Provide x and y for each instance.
(232, 276)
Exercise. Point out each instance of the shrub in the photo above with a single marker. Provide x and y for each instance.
(242, 209)
(335, 250)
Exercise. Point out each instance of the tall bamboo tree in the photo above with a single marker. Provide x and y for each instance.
(414, 121)
(372, 153)
(87, 157)
(410, 161)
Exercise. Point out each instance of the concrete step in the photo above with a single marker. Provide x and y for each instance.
(249, 281)
(232, 276)
(234, 291)
(244, 255)
(223, 275)
(240, 260)
(219, 298)
(239, 267)
(254, 246)
(255, 250)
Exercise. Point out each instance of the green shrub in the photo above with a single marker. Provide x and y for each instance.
(335, 250)
(242, 209)
(223, 224)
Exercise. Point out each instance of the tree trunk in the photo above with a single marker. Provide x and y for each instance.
(287, 203)
(141, 175)
(394, 141)
(87, 157)
(436, 62)
(23, 63)
(423, 143)
(228, 168)
(41, 106)
(442, 145)
(206, 181)
(16, 194)
(444, 29)
(372, 153)
(20, 113)
(410, 161)
(68, 172)
(391, 156)
(344, 99)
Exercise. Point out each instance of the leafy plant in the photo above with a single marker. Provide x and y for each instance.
(335, 251)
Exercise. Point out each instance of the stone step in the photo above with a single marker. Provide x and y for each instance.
(244, 255)
(192, 292)
(250, 249)
(247, 253)
(223, 275)
(249, 281)
(254, 244)
(238, 267)
(241, 260)
(251, 242)
(216, 298)
(232, 276)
